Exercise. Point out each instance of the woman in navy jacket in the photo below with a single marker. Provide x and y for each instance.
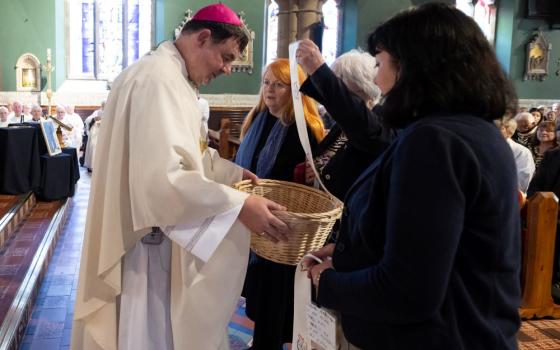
(428, 255)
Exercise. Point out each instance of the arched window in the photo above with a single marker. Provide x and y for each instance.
(271, 32)
(484, 14)
(106, 36)
(330, 34)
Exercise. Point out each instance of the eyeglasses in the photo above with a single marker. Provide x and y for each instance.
(274, 84)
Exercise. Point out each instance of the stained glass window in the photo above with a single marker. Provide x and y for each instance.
(484, 14)
(106, 36)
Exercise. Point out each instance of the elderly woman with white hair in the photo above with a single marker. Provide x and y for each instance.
(526, 128)
(349, 95)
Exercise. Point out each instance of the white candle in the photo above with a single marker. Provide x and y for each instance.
(48, 54)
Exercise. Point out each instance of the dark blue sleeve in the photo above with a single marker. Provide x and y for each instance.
(424, 222)
(362, 126)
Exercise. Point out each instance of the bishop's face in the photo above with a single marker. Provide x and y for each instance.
(213, 59)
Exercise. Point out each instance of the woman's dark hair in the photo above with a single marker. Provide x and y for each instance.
(220, 31)
(445, 65)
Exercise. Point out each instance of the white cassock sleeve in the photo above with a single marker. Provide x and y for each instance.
(202, 238)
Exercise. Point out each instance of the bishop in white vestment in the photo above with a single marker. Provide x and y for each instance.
(153, 171)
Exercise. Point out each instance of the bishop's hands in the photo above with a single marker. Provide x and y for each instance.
(257, 216)
(247, 175)
(309, 56)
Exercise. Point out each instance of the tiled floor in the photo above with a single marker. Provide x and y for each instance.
(51, 321)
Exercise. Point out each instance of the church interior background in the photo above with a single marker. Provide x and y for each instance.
(88, 42)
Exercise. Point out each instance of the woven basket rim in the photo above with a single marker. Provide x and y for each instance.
(338, 204)
(318, 225)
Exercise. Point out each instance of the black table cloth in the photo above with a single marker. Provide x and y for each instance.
(59, 174)
(26, 166)
(74, 168)
(19, 160)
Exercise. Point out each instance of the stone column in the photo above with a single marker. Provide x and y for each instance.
(292, 30)
(310, 12)
(283, 28)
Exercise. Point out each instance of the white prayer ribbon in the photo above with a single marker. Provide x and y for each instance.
(300, 118)
(313, 327)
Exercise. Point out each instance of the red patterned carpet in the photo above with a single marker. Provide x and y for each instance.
(18, 252)
(6, 201)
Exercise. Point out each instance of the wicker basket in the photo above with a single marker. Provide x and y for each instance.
(311, 215)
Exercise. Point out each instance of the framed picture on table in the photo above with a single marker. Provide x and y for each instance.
(49, 135)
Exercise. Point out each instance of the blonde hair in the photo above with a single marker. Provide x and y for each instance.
(280, 68)
(509, 124)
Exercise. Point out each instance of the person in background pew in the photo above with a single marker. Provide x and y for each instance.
(27, 112)
(71, 138)
(270, 148)
(4, 122)
(526, 128)
(550, 116)
(429, 251)
(547, 179)
(524, 162)
(17, 115)
(537, 113)
(97, 113)
(543, 110)
(77, 123)
(88, 123)
(92, 143)
(543, 140)
(93, 117)
(36, 113)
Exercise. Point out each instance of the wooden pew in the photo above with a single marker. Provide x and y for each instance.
(223, 140)
(236, 116)
(225, 128)
(538, 256)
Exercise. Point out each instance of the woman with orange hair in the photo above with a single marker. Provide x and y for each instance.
(270, 146)
(271, 149)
